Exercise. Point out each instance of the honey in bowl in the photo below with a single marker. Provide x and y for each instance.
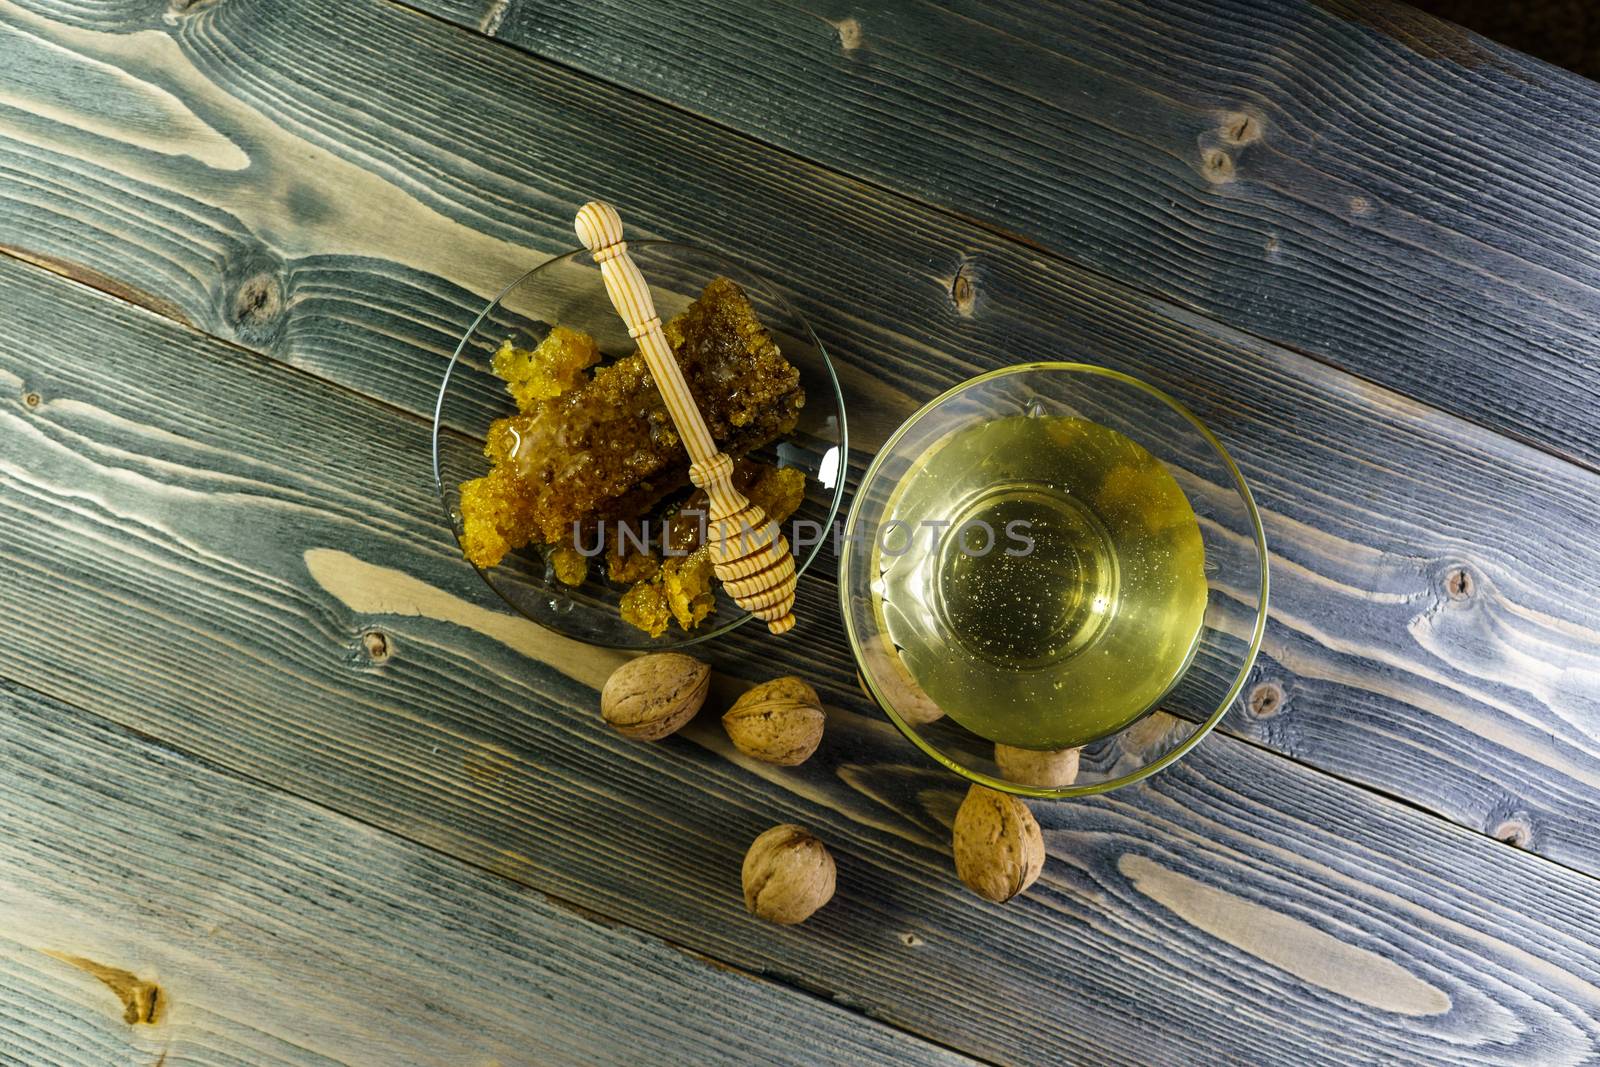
(1043, 578)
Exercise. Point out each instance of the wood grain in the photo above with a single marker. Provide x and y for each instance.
(1358, 181)
(280, 933)
(358, 242)
(280, 603)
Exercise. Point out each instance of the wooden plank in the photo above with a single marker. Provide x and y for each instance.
(1385, 671)
(202, 574)
(1361, 182)
(156, 909)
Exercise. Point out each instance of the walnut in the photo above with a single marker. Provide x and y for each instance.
(778, 721)
(893, 678)
(653, 696)
(788, 875)
(999, 850)
(1045, 769)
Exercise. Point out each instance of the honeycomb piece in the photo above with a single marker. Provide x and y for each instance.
(645, 606)
(496, 516)
(571, 566)
(686, 526)
(687, 580)
(544, 372)
(606, 448)
(778, 491)
(628, 566)
(747, 391)
(681, 590)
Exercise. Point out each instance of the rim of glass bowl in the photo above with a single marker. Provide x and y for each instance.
(846, 561)
(776, 293)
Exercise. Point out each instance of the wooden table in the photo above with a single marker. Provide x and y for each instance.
(281, 781)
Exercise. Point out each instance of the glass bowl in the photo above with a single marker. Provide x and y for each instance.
(1235, 570)
(568, 290)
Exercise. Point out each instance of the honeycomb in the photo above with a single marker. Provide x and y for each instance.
(602, 446)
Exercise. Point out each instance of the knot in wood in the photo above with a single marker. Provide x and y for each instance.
(257, 305)
(376, 644)
(1217, 166)
(1266, 700)
(1239, 128)
(964, 291)
(1458, 584)
(32, 399)
(142, 1000)
(1513, 831)
(849, 34)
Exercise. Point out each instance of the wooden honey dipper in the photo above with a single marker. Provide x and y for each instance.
(750, 556)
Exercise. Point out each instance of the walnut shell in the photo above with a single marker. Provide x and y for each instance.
(655, 695)
(901, 690)
(788, 875)
(1046, 769)
(778, 721)
(999, 850)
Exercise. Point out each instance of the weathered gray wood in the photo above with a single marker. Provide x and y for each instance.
(346, 256)
(280, 602)
(152, 906)
(1358, 181)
